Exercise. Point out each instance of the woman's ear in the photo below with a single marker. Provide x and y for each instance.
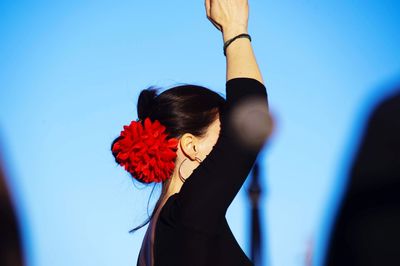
(188, 144)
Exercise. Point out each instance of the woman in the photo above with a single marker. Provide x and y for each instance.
(187, 139)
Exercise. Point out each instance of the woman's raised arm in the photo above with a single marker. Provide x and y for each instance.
(245, 125)
(231, 18)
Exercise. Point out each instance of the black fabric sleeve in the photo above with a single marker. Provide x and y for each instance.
(206, 195)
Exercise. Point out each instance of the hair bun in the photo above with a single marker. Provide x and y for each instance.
(146, 101)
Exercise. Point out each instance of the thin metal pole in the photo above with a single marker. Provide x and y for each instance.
(254, 192)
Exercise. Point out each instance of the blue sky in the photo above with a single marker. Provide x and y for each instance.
(70, 75)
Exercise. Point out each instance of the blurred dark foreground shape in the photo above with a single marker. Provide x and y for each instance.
(367, 227)
(10, 238)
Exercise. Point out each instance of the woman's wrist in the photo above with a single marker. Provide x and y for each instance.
(229, 33)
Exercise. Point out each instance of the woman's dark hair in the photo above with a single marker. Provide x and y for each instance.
(182, 109)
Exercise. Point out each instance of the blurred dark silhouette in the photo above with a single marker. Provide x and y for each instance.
(10, 238)
(367, 227)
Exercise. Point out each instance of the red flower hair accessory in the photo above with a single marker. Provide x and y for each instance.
(145, 151)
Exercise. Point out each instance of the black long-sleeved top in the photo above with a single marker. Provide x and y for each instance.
(192, 229)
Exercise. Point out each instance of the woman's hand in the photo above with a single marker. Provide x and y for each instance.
(228, 15)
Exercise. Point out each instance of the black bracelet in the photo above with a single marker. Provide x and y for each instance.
(245, 35)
